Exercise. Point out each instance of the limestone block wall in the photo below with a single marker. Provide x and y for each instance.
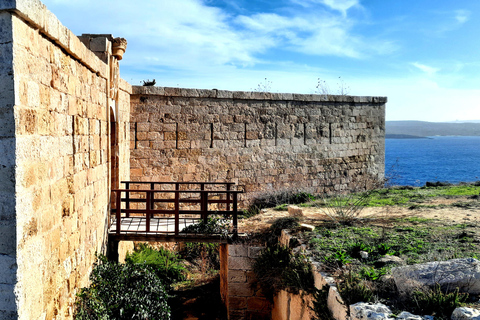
(264, 141)
(55, 129)
(243, 299)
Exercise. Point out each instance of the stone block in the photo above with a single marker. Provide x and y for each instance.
(237, 303)
(295, 211)
(240, 290)
(237, 276)
(239, 263)
(238, 250)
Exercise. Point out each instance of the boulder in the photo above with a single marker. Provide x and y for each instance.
(389, 260)
(370, 311)
(294, 211)
(408, 316)
(461, 273)
(463, 313)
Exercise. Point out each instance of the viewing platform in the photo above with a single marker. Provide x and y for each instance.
(160, 211)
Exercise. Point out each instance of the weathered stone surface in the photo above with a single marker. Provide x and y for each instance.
(363, 311)
(389, 260)
(461, 273)
(408, 316)
(294, 211)
(463, 313)
(285, 142)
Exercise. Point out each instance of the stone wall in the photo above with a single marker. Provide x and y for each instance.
(263, 141)
(243, 299)
(56, 167)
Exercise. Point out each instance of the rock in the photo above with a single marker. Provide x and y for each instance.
(461, 273)
(463, 313)
(389, 260)
(306, 227)
(408, 316)
(294, 211)
(370, 311)
(364, 254)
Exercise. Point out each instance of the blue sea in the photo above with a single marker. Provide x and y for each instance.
(448, 159)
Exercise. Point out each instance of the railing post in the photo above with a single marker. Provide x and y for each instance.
(177, 209)
(118, 209)
(127, 199)
(228, 196)
(235, 215)
(147, 209)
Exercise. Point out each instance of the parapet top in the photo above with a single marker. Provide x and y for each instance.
(251, 95)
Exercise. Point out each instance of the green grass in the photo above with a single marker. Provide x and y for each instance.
(400, 196)
(415, 240)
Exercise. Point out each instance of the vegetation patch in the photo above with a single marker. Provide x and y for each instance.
(122, 291)
(277, 268)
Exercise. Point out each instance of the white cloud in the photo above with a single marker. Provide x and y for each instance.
(427, 69)
(462, 16)
(338, 5)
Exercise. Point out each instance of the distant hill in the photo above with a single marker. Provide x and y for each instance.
(426, 129)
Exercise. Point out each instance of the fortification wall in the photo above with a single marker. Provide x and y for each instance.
(264, 141)
(56, 161)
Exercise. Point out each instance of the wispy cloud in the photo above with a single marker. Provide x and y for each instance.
(427, 69)
(338, 5)
(462, 16)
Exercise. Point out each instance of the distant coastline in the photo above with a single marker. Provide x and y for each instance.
(430, 129)
(403, 136)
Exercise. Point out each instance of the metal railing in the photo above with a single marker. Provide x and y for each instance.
(154, 205)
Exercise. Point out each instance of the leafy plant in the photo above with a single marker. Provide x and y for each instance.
(370, 273)
(214, 225)
(277, 226)
(320, 306)
(122, 291)
(344, 208)
(436, 302)
(277, 268)
(166, 264)
(205, 254)
(353, 289)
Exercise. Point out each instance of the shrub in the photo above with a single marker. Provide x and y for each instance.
(436, 302)
(165, 263)
(122, 291)
(277, 268)
(214, 225)
(277, 198)
(353, 289)
(320, 306)
(206, 253)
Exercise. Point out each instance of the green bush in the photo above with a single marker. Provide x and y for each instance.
(277, 198)
(214, 225)
(165, 263)
(277, 268)
(122, 291)
(207, 253)
(436, 302)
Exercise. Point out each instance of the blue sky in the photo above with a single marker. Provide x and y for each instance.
(423, 55)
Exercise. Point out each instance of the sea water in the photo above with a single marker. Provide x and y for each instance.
(416, 161)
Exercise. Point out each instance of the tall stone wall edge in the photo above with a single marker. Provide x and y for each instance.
(249, 95)
(8, 262)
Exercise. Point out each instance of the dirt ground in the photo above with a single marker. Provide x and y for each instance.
(314, 216)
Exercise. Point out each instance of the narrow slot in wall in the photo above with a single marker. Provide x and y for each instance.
(176, 135)
(245, 136)
(136, 139)
(330, 132)
(305, 133)
(211, 135)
